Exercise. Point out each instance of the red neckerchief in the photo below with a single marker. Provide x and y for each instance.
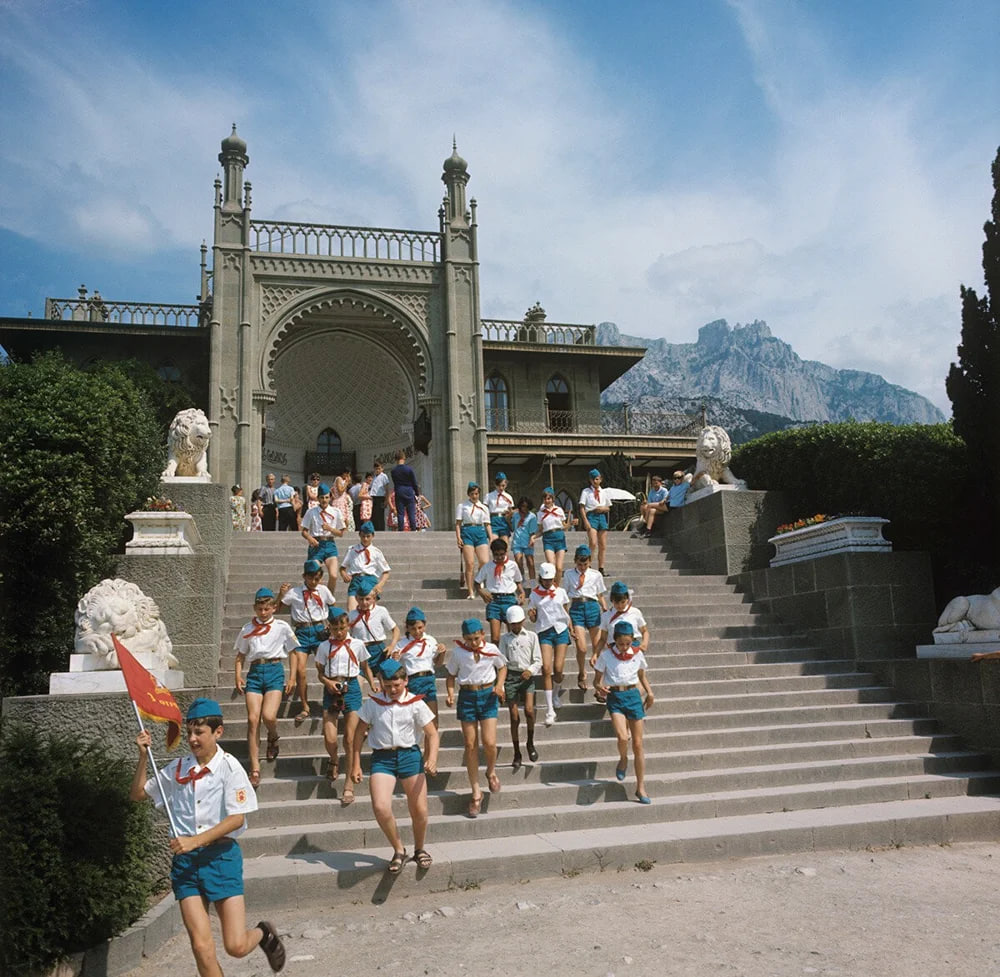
(479, 505)
(423, 647)
(259, 628)
(191, 777)
(504, 497)
(580, 577)
(308, 595)
(617, 614)
(327, 519)
(477, 653)
(396, 702)
(551, 592)
(346, 643)
(363, 549)
(597, 494)
(498, 569)
(550, 512)
(623, 656)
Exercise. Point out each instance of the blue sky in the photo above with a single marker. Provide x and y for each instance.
(822, 166)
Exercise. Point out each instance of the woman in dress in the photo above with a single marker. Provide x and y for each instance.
(340, 498)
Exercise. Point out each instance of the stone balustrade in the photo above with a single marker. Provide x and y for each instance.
(330, 241)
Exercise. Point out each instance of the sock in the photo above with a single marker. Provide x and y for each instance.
(548, 700)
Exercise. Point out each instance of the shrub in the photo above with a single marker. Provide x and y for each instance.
(916, 475)
(72, 848)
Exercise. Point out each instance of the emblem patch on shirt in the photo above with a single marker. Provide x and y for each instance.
(241, 795)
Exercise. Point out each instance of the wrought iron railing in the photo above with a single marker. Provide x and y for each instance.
(329, 241)
(547, 333)
(96, 309)
(613, 420)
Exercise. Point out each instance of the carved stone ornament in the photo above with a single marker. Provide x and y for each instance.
(974, 618)
(187, 444)
(713, 453)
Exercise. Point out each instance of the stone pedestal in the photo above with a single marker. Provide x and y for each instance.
(960, 650)
(848, 534)
(186, 479)
(162, 534)
(704, 493)
(89, 674)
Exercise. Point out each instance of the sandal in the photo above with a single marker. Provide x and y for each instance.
(620, 772)
(255, 779)
(494, 782)
(272, 747)
(475, 805)
(272, 946)
(422, 858)
(333, 770)
(302, 717)
(348, 797)
(642, 798)
(581, 682)
(398, 861)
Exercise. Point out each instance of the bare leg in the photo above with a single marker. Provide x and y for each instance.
(331, 573)
(636, 728)
(580, 642)
(470, 735)
(254, 702)
(469, 565)
(380, 786)
(236, 938)
(300, 662)
(330, 739)
(620, 726)
(515, 722)
(489, 728)
(415, 789)
(194, 912)
(269, 712)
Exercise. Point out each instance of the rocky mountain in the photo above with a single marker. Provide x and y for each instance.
(756, 382)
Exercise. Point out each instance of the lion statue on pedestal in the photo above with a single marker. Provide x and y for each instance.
(187, 443)
(977, 612)
(713, 453)
(118, 607)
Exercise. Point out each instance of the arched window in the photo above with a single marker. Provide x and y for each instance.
(328, 442)
(497, 404)
(559, 416)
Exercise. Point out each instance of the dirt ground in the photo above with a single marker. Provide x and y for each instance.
(885, 913)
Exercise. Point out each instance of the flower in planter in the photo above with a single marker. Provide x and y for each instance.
(160, 504)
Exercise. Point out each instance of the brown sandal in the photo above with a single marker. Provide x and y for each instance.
(333, 769)
(422, 858)
(475, 805)
(348, 797)
(255, 779)
(272, 946)
(494, 782)
(272, 747)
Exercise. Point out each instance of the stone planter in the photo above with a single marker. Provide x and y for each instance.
(162, 534)
(848, 534)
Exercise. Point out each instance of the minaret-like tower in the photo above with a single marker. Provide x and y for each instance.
(463, 344)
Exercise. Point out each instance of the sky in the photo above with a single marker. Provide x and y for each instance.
(823, 166)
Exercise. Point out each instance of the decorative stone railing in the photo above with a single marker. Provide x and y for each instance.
(848, 534)
(329, 241)
(546, 333)
(123, 313)
(617, 420)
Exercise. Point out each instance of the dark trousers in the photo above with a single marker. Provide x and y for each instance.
(378, 513)
(269, 518)
(286, 519)
(409, 506)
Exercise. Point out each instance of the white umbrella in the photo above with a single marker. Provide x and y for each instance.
(618, 495)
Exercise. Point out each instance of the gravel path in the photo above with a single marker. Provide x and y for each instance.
(856, 914)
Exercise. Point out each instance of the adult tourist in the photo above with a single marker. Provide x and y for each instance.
(655, 505)
(284, 495)
(378, 490)
(406, 489)
(677, 493)
(268, 507)
(238, 506)
(310, 493)
(340, 498)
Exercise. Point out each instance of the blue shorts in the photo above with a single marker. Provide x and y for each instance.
(554, 540)
(322, 551)
(215, 872)
(598, 520)
(425, 685)
(524, 550)
(351, 698)
(628, 703)
(585, 613)
(357, 580)
(552, 636)
(499, 525)
(475, 536)
(376, 654)
(309, 637)
(405, 762)
(496, 609)
(265, 677)
(476, 704)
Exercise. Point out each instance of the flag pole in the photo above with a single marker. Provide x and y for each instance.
(156, 774)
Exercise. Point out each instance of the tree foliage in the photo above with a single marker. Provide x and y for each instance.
(77, 451)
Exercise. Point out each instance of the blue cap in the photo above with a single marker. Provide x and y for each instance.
(312, 566)
(594, 473)
(471, 625)
(201, 708)
(323, 489)
(619, 589)
(582, 552)
(335, 612)
(367, 527)
(265, 593)
(471, 486)
(624, 627)
(364, 587)
(415, 614)
(500, 477)
(549, 490)
(389, 667)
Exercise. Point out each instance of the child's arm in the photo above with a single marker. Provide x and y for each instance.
(449, 687)
(431, 758)
(644, 643)
(644, 682)
(241, 684)
(391, 647)
(599, 686)
(183, 844)
(137, 792)
(360, 732)
(369, 675)
(498, 688)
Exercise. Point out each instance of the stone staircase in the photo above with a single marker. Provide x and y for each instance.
(756, 744)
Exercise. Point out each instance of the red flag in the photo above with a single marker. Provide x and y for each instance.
(153, 701)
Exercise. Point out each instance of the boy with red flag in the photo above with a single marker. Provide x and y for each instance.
(151, 700)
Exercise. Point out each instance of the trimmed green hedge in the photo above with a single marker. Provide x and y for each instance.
(73, 849)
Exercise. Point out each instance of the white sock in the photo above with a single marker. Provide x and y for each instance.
(548, 700)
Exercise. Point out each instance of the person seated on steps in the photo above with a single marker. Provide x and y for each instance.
(655, 505)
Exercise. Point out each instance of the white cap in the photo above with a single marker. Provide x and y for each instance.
(515, 613)
(547, 571)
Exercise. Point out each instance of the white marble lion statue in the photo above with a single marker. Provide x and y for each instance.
(977, 612)
(187, 443)
(713, 453)
(118, 607)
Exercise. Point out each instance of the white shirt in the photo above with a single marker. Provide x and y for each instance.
(201, 804)
(272, 640)
(418, 656)
(368, 560)
(471, 513)
(499, 502)
(313, 609)
(631, 614)
(551, 610)
(376, 626)
(550, 519)
(522, 651)
(618, 672)
(462, 662)
(338, 661)
(506, 583)
(591, 498)
(378, 487)
(590, 583)
(394, 725)
(320, 523)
